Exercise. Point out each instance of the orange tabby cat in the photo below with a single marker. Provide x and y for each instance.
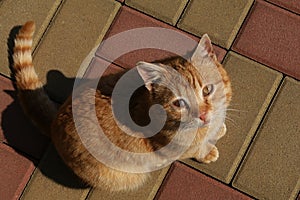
(211, 99)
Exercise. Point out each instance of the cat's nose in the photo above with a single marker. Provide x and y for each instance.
(203, 116)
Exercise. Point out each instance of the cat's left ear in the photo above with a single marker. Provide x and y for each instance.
(150, 73)
(204, 51)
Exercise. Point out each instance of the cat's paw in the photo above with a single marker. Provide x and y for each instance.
(212, 156)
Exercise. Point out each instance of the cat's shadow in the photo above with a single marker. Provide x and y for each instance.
(29, 142)
(20, 133)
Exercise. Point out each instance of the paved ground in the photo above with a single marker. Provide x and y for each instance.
(257, 41)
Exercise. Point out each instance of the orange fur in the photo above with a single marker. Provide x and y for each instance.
(35, 102)
(60, 125)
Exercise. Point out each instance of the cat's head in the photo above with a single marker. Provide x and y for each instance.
(191, 91)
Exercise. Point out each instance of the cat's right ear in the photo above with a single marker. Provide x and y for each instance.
(150, 73)
(204, 52)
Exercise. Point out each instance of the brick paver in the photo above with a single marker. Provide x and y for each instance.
(17, 12)
(74, 33)
(160, 9)
(15, 129)
(15, 172)
(292, 5)
(271, 168)
(220, 19)
(53, 180)
(183, 182)
(138, 20)
(271, 36)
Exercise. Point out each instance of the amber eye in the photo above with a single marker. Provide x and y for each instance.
(180, 103)
(207, 90)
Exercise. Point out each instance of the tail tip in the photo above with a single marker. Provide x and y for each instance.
(28, 27)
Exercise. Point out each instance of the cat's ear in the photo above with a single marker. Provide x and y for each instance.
(150, 73)
(204, 51)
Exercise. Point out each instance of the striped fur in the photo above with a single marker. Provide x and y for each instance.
(33, 99)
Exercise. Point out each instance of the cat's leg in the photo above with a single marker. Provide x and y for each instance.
(212, 156)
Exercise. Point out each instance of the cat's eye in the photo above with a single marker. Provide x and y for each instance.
(180, 103)
(207, 90)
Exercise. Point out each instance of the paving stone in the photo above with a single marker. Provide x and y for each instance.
(292, 5)
(15, 128)
(96, 67)
(53, 180)
(270, 36)
(168, 10)
(128, 19)
(253, 87)
(17, 12)
(14, 174)
(74, 33)
(183, 182)
(147, 191)
(271, 168)
(220, 19)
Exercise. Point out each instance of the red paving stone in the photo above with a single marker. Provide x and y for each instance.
(15, 128)
(96, 68)
(183, 182)
(138, 20)
(293, 5)
(15, 172)
(271, 36)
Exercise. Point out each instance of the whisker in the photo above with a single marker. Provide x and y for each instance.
(232, 122)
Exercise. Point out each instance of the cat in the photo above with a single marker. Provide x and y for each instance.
(59, 125)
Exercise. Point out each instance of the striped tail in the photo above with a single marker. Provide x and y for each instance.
(33, 99)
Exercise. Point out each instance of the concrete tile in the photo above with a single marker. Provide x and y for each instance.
(220, 19)
(128, 19)
(168, 10)
(271, 168)
(74, 33)
(270, 36)
(253, 87)
(288, 4)
(15, 128)
(15, 13)
(183, 182)
(147, 191)
(15, 172)
(53, 180)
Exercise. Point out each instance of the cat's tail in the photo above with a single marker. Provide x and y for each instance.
(33, 99)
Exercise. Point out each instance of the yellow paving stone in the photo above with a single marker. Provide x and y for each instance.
(167, 10)
(271, 169)
(17, 12)
(53, 180)
(253, 88)
(77, 28)
(219, 18)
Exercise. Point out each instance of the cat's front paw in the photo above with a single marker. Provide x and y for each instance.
(212, 156)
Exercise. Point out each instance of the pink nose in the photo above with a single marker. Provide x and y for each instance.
(203, 117)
